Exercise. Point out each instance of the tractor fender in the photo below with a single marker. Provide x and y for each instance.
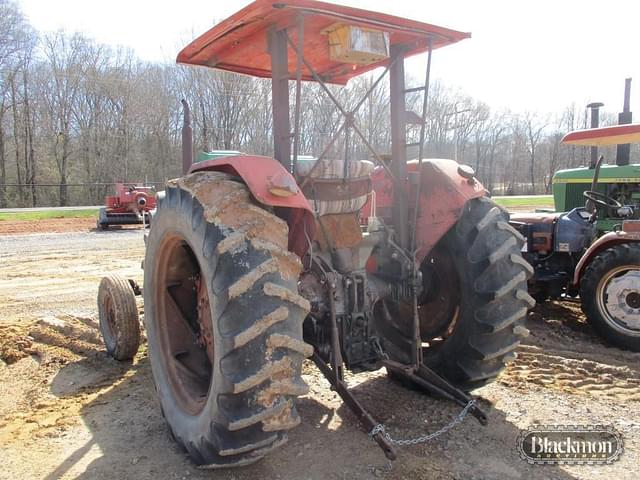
(443, 195)
(260, 174)
(607, 240)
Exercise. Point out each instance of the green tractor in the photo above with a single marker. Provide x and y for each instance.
(621, 182)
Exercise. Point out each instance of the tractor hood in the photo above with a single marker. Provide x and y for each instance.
(608, 174)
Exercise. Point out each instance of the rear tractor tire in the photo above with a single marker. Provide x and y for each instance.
(610, 295)
(118, 314)
(224, 321)
(473, 312)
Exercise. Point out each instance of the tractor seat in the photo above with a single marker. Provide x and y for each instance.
(327, 190)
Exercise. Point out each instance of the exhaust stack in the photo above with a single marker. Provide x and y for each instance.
(187, 139)
(595, 122)
(625, 117)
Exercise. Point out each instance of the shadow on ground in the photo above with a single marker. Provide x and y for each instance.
(126, 426)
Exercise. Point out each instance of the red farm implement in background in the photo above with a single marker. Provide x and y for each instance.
(129, 206)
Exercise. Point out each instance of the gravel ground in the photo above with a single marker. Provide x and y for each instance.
(69, 411)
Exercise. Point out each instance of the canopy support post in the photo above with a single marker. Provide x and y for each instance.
(398, 144)
(280, 97)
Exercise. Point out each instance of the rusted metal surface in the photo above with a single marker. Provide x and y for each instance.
(131, 198)
(443, 195)
(631, 226)
(398, 146)
(187, 139)
(438, 307)
(607, 240)
(277, 43)
(256, 172)
(183, 335)
(339, 231)
(205, 337)
(239, 43)
(335, 190)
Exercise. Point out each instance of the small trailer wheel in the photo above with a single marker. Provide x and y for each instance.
(118, 314)
(102, 223)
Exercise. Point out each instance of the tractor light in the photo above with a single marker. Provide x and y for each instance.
(282, 185)
(466, 171)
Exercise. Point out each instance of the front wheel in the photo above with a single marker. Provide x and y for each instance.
(610, 295)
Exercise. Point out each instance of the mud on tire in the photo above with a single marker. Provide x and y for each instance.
(491, 282)
(224, 321)
(118, 316)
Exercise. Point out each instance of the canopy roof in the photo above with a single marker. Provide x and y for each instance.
(599, 137)
(239, 43)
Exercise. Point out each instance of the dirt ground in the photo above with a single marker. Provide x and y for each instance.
(47, 225)
(69, 411)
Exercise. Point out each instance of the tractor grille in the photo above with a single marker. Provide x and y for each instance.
(575, 199)
(574, 196)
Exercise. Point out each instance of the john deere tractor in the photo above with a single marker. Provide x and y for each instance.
(570, 259)
(619, 181)
(254, 263)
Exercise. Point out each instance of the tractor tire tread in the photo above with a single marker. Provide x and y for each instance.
(259, 323)
(617, 255)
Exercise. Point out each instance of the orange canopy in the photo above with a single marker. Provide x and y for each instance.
(599, 137)
(239, 43)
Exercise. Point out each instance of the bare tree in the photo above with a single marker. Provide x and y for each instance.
(533, 128)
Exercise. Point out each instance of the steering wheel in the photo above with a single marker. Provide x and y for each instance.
(601, 199)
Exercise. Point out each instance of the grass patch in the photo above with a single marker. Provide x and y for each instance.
(46, 214)
(537, 201)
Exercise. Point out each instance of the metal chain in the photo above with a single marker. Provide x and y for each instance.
(380, 428)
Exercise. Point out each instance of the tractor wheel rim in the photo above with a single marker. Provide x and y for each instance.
(182, 301)
(440, 310)
(618, 299)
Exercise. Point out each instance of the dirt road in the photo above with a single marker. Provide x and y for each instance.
(68, 411)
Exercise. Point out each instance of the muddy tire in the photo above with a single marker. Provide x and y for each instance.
(118, 315)
(224, 321)
(610, 295)
(479, 295)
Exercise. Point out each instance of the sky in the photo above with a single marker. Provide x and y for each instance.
(523, 55)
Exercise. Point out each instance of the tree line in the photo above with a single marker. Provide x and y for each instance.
(76, 115)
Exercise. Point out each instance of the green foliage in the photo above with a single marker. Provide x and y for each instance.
(534, 201)
(46, 214)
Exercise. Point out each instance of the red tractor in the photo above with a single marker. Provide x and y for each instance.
(254, 263)
(131, 205)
